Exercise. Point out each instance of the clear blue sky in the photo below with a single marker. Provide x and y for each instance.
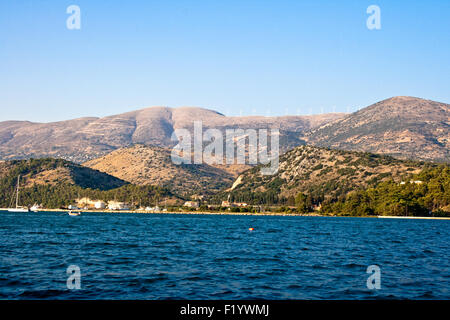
(237, 57)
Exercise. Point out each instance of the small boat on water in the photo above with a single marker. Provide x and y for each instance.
(74, 213)
(18, 208)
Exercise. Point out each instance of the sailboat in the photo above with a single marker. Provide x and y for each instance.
(17, 208)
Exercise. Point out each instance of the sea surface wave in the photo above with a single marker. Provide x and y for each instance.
(174, 256)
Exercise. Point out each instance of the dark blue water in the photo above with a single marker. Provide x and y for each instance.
(145, 256)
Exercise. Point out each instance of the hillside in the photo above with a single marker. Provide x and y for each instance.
(404, 127)
(142, 165)
(427, 195)
(84, 139)
(56, 183)
(320, 173)
(53, 172)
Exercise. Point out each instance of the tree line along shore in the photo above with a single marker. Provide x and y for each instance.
(424, 194)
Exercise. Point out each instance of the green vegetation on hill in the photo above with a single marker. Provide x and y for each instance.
(59, 196)
(424, 194)
(321, 174)
(55, 171)
(56, 183)
(347, 183)
(310, 179)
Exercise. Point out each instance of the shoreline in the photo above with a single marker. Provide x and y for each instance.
(406, 217)
(177, 212)
(277, 214)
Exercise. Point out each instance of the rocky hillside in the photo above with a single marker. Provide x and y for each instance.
(85, 139)
(404, 127)
(143, 165)
(321, 173)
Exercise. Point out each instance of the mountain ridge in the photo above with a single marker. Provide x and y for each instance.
(404, 127)
(87, 138)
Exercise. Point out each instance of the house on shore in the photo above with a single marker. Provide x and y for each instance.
(100, 205)
(191, 204)
(228, 204)
(115, 205)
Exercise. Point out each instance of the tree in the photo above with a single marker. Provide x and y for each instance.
(301, 203)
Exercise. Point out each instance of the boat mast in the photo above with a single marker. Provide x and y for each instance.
(17, 195)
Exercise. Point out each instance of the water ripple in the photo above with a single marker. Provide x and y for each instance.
(132, 256)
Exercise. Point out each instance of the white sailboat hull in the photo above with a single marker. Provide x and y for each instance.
(18, 210)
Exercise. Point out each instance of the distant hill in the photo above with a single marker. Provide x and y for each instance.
(85, 139)
(321, 173)
(56, 183)
(404, 127)
(143, 165)
(53, 172)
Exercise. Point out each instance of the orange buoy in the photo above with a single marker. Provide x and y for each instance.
(251, 229)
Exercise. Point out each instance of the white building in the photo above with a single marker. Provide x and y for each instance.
(153, 209)
(115, 205)
(191, 204)
(100, 205)
(241, 204)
